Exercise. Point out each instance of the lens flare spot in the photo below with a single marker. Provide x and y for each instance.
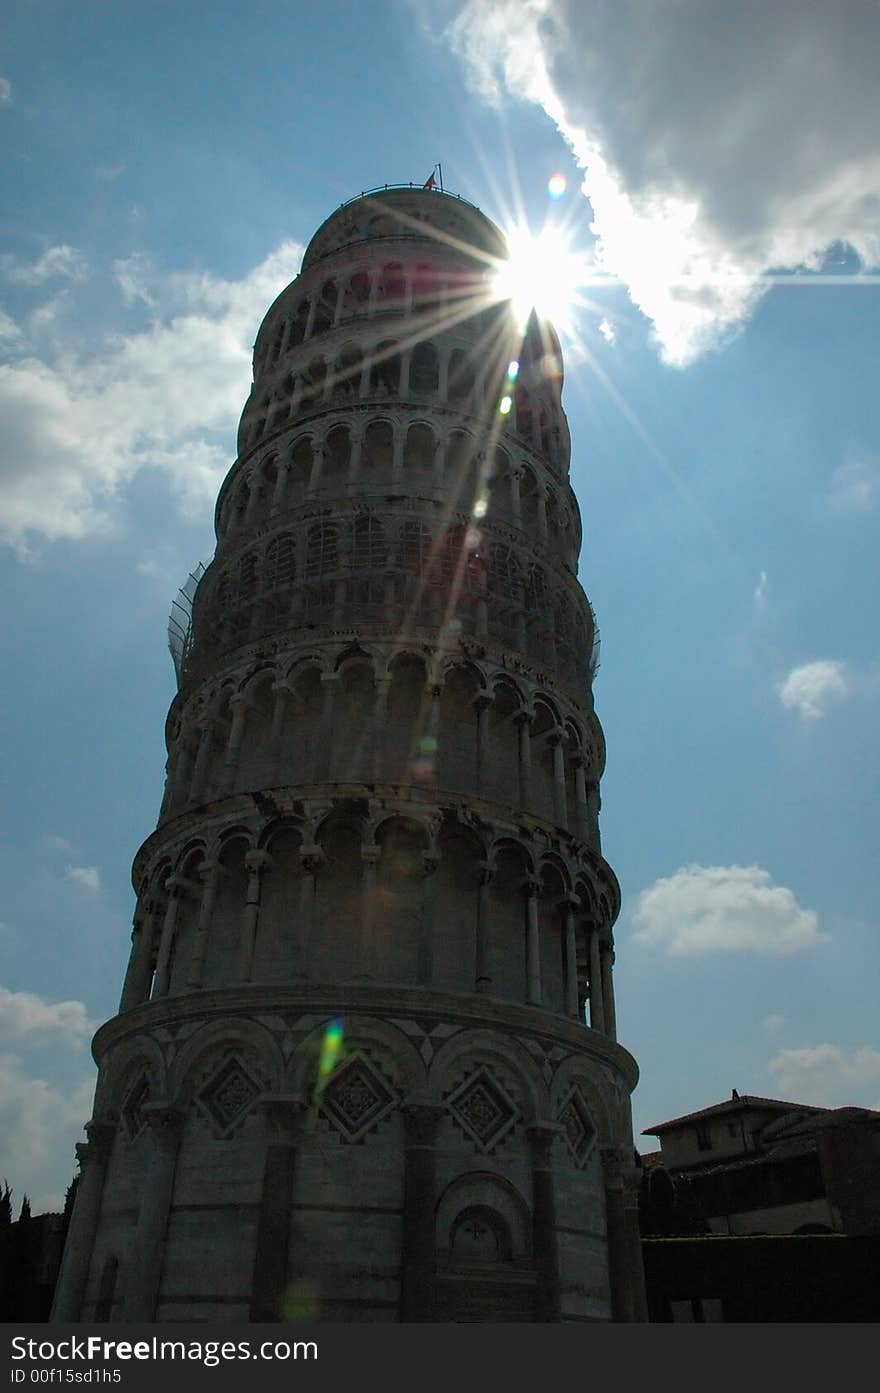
(331, 1048)
(423, 770)
(453, 628)
(428, 745)
(512, 370)
(472, 538)
(556, 185)
(301, 1302)
(481, 507)
(504, 405)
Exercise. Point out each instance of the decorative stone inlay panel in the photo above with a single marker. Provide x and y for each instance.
(577, 1127)
(356, 1099)
(229, 1095)
(483, 1109)
(133, 1117)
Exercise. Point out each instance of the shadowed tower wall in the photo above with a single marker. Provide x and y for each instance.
(351, 1076)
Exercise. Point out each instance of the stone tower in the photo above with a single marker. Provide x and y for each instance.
(351, 1077)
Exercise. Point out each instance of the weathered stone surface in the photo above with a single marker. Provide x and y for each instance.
(351, 1077)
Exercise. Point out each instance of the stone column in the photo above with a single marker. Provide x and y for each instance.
(482, 976)
(545, 1244)
(148, 1249)
(522, 638)
(209, 874)
(482, 612)
(310, 316)
(373, 297)
(239, 706)
(176, 885)
(377, 734)
(281, 692)
(403, 381)
(255, 862)
(524, 722)
(439, 462)
(628, 1298)
(337, 308)
(606, 953)
(317, 465)
(515, 502)
(580, 798)
(324, 741)
(370, 856)
(398, 440)
(283, 1117)
(203, 756)
(364, 389)
(253, 499)
(181, 774)
(541, 503)
(632, 1176)
(425, 972)
(481, 705)
(420, 1121)
(560, 808)
(597, 1012)
(593, 801)
(92, 1156)
(280, 485)
(570, 906)
(532, 889)
(140, 964)
(312, 858)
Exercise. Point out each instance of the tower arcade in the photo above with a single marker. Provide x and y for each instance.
(365, 1063)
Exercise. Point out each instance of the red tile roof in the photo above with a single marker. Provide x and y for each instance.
(742, 1103)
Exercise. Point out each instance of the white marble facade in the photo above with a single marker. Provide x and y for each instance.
(365, 1064)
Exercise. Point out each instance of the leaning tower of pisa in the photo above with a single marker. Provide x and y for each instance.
(365, 1064)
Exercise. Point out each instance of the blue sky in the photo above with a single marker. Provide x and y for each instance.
(164, 165)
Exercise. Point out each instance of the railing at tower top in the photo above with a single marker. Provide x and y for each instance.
(180, 621)
(385, 188)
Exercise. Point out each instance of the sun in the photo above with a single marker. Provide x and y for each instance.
(542, 273)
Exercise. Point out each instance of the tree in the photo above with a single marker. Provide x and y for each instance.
(5, 1205)
(25, 1210)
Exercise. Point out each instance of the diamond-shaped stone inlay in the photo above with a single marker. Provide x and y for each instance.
(133, 1115)
(482, 1108)
(229, 1094)
(356, 1098)
(577, 1127)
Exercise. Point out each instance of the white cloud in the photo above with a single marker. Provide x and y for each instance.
(717, 143)
(723, 909)
(855, 486)
(5, 91)
(828, 1076)
(9, 330)
(63, 261)
(773, 1023)
(39, 1127)
(76, 427)
(606, 329)
(812, 688)
(26, 1017)
(133, 274)
(760, 591)
(84, 877)
(109, 173)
